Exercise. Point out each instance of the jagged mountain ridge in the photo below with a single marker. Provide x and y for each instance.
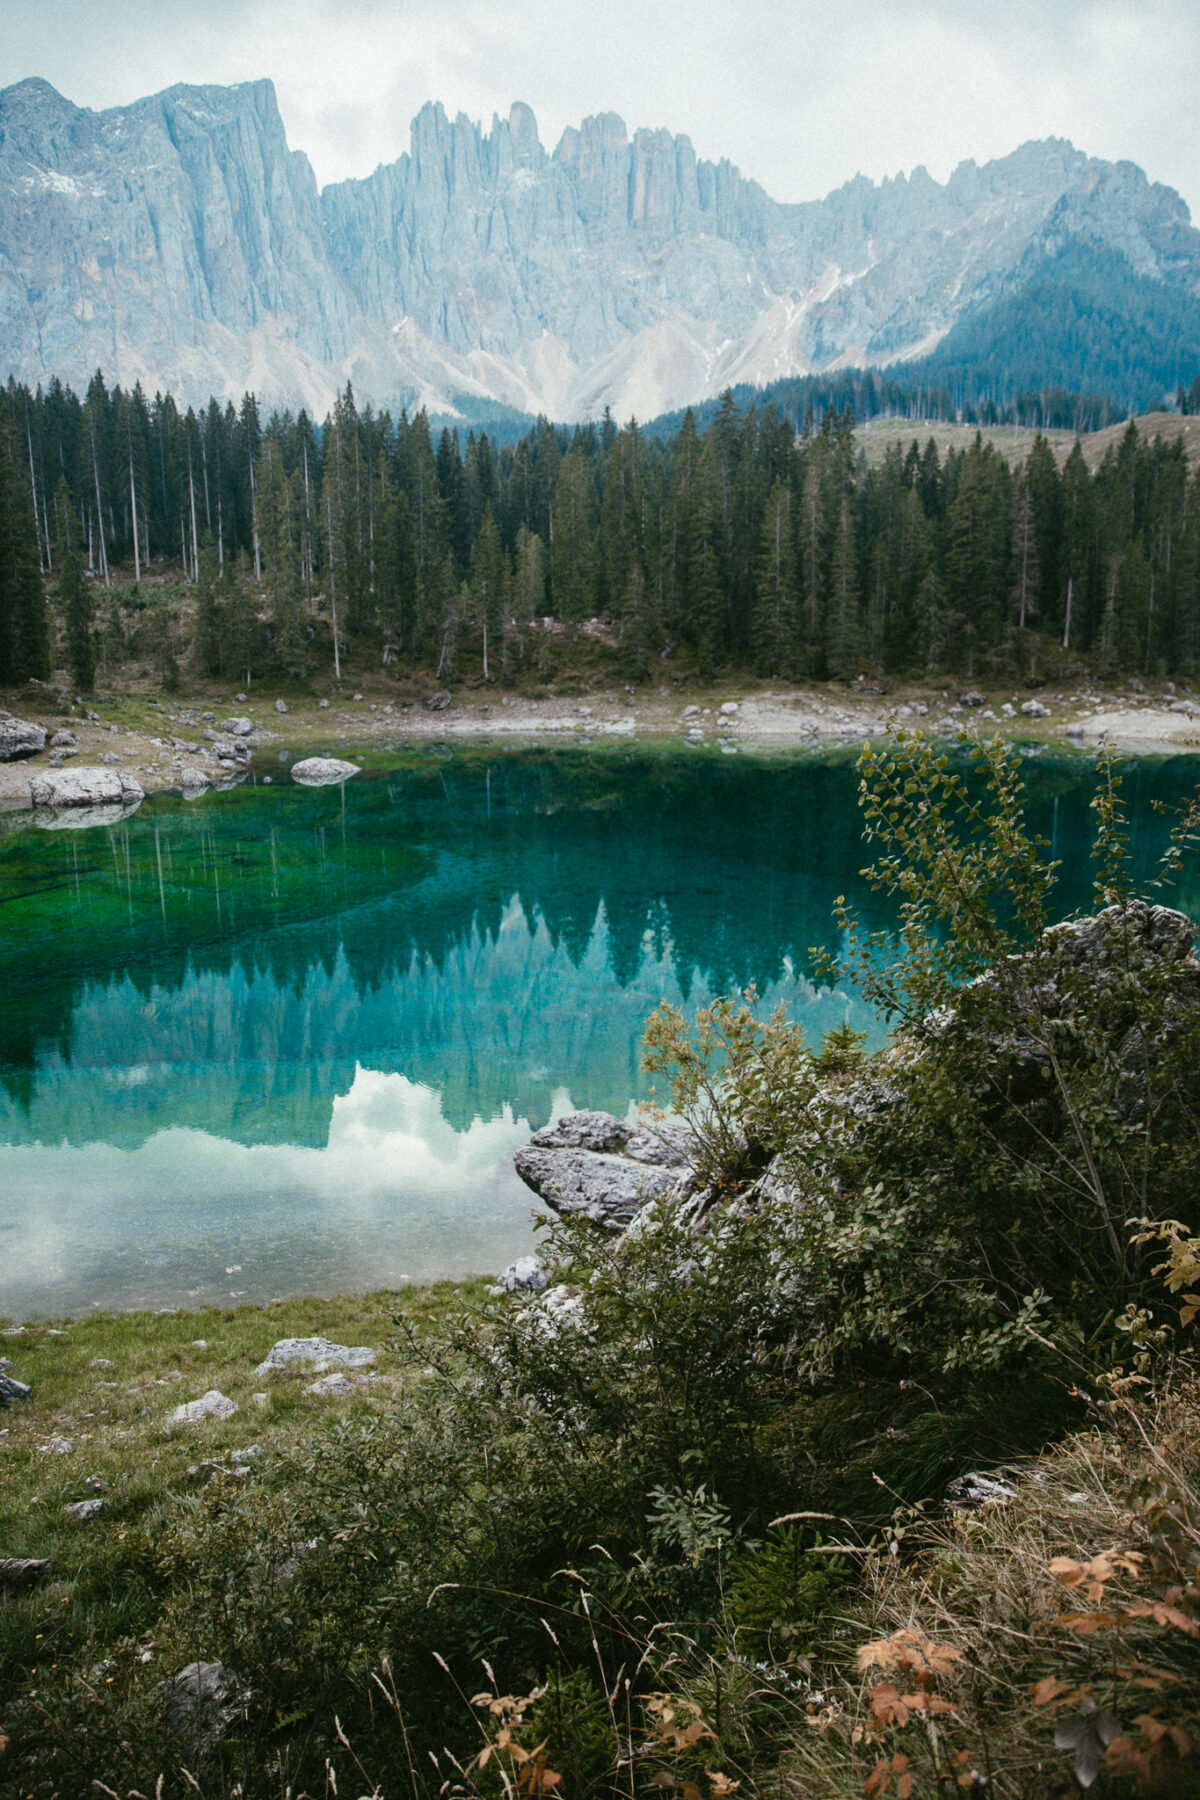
(180, 241)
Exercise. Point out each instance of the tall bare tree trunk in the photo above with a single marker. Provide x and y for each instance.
(137, 555)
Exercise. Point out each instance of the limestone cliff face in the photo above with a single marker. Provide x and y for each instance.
(179, 241)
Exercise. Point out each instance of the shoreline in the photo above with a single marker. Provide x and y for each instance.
(156, 738)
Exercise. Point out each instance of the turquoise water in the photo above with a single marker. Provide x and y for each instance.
(280, 1040)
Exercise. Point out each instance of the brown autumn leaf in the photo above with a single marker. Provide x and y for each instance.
(1085, 1623)
(1162, 1614)
(1047, 1689)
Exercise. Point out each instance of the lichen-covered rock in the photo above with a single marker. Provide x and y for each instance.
(213, 1405)
(20, 737)
(85, 787)
(202, 1701)
(317, 1352)
(595, 1166)
(227, 748)
(322, 771)
(524, 1276)
(332, 1387)
(84, 1510)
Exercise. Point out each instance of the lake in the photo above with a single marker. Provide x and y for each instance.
(279, 1040)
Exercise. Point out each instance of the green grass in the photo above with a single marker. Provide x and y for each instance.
(104, 1585)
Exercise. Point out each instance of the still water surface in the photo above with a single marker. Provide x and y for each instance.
(278, 1040)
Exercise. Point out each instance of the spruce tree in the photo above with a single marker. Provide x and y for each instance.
(75, 597)
(397, 577)
(24, 627)
(775, 629)
(208, 643)
(844, 646)
(572, 554)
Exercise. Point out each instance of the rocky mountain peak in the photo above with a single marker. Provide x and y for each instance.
(180, 241)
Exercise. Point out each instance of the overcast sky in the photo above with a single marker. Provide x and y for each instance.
(800, 94)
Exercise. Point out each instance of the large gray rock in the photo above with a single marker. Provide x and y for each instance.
(316, 1353)
(24, 1571)
(239, 726)
(20, 737)
(322, 771)
(11, 1389)
(202, 1702)
(595, 1166)
(85, 787)
(227, 748)
(84, 1511)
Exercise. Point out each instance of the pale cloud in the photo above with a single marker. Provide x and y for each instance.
(800, 94)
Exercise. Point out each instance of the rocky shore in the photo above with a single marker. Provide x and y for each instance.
(159, 743)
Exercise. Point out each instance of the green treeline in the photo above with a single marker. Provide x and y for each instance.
(290, 546)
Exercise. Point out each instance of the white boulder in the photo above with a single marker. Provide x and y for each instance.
(318, 1352)
(322, 771)
(213, 1405)
(85, 787)
(20, 737)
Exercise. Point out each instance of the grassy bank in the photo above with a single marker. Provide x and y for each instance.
(95, 1427)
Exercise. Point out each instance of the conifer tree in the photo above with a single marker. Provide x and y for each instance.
(397, 577)
(775, 625)
(1026, 562)
(572, 550)
(75, 597)
(208, 641)
(279, 546)
(24, 627)
(488, 588)
(844, 646)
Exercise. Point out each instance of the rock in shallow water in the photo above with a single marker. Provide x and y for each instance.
(321, 771)
(83, 818)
